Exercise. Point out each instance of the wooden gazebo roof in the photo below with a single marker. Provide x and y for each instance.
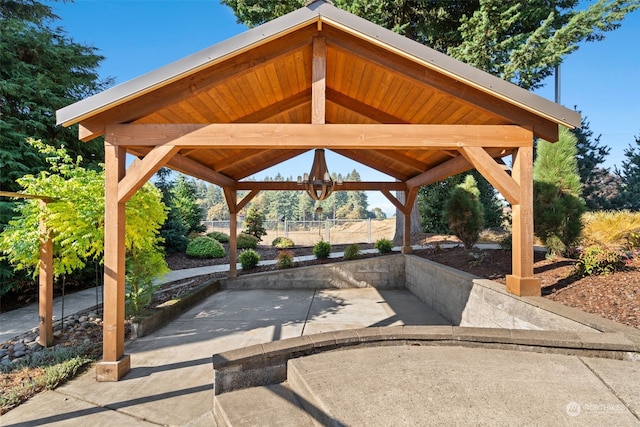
(373, 76)
(316, 78)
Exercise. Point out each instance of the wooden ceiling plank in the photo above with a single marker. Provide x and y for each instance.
(197, 83)
(493, 172)
(287, 104)
(404, 159)
(338, 136)
(416, 72)
(361, 108)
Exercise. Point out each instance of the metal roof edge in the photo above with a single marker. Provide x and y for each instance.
(185, 66)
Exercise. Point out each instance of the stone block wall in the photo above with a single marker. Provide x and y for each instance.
(385, 272)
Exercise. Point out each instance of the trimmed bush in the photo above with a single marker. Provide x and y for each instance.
(465, 213)
(220, 237)
(383, 245)
(285, 259)
(597, 260)
(249, 259)
(205, 247)
(352, 252)
(246, 241)
(322, 249)
(283, 243)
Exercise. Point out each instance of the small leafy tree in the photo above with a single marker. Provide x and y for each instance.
(464, 212)
(557, 204)
(254, 223)
(75, 219)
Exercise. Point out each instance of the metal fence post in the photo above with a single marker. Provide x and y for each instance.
(327, 228)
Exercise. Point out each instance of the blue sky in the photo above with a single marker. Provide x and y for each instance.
(137, 36)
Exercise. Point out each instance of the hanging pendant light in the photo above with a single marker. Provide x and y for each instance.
(318, 182)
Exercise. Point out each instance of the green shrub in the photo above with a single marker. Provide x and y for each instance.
(352, 252)
(142, 268)
(254, 223)
(383, 246)
(246, 241)
(598, 260)
(465, 213)
(220, 237)
(285, 259)
(322, 249)
(249, 259)
(205, 247)
(507, 242)
(283, 243)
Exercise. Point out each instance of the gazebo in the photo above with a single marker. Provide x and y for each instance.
(317, 78)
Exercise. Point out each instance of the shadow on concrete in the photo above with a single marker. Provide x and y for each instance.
(110, 407)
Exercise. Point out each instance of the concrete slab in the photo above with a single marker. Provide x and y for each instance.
(623, 378)
(453, 386)
(334, 309)
(53, 408)
(278, 406)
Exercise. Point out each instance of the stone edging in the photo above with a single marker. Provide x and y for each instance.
(265, 364)
(153, 319)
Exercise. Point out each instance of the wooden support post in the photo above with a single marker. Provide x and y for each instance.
(45, 296)
(232, 196)
(521, 282)
(115, 364)
(409, 200)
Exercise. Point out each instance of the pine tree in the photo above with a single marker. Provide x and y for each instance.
(254, 223)
(464, 212)
(557, 205)
(629, 188)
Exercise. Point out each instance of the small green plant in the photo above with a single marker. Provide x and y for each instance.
(205, 247)
(352, 252)
(507, 242)
(283, 243)
(141, 269)
(597, 260)
(285, 259)
(220, 237)
(476, 258)
(249, 259)
(322, 249)
(465, 212)
(247, 241)
(383, 245)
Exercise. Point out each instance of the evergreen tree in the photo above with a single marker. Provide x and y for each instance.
(557, 205)
(464, 212)
(598, 184)
(629, 188)
(254, 223)
(41, 70)
(183, 199)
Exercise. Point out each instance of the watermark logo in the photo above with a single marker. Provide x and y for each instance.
(573, 409)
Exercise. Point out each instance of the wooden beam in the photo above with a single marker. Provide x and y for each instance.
(332, 136)
(197, 170)
(319, 81)
(246, 199)
(141, 170)
(346, 186)
(277, 108)
(416, 165)
(444, 170)
(45, 281)
(360, 156)
(393, 199)
(231, 196)
(493, 172)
